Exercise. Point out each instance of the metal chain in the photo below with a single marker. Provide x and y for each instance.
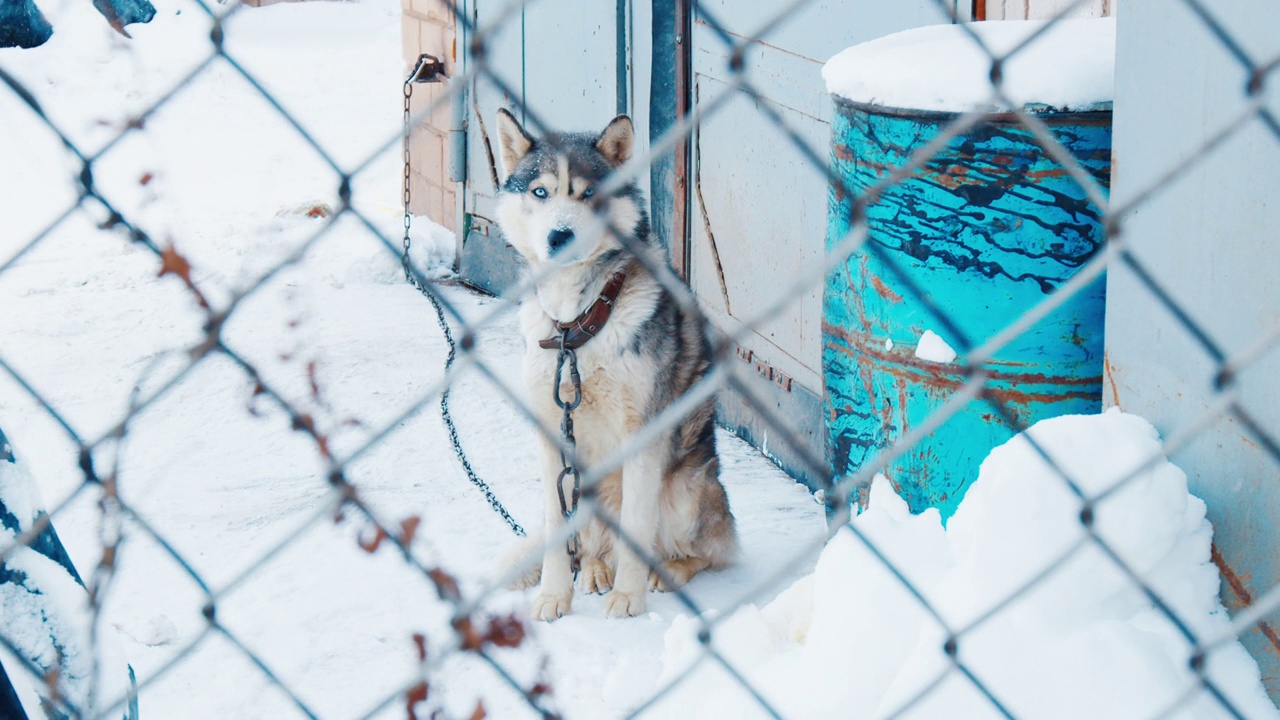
(567, 357)
(413, 281)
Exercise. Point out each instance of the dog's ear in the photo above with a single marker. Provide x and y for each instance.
(513, 141)
(616, 140)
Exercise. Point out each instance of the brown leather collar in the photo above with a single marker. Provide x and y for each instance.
(579, 330)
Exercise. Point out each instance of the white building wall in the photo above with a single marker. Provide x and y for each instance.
(1211, 239)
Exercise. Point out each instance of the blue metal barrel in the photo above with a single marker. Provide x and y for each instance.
(987, 229)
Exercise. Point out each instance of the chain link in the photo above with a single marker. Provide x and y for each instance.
(568, 358)
(413, 281)
(114, 507)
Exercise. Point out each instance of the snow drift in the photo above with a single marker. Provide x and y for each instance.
(1084, 641)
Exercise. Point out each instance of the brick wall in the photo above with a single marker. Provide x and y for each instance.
(427, 27)
(1042, 9)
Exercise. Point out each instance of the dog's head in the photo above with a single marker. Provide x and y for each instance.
(548, 207)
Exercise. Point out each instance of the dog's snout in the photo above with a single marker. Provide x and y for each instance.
(558, 238)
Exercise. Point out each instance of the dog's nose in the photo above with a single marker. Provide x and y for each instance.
(558, 238)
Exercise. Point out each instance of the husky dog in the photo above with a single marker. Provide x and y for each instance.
(642, 355)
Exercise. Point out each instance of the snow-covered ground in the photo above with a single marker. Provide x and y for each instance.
(84, 318)
(216, 470)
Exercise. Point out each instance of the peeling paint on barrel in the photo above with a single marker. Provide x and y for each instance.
(988, 227)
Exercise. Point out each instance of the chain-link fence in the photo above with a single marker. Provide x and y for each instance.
(479, 631)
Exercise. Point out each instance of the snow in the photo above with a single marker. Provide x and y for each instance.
(941, 68)
(19, 494)
(852, 641)
(59, 637)
(933, 348)
(218, 472)
(220, 475)
(38, 588)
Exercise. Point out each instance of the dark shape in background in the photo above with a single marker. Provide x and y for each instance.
(23, 25)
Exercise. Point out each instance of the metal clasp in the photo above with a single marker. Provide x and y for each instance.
(430, 69)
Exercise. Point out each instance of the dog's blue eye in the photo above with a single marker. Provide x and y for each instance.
(588, 193)
(540, 193)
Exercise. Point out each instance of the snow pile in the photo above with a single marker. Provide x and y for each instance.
(45, 614)
(934, 349)
(851, 641)
(940, 67)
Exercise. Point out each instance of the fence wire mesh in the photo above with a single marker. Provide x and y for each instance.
(478, 630)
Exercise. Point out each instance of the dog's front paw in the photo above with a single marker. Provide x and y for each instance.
(595, 576)
(547, 607)
(657, 583)
(618, 604)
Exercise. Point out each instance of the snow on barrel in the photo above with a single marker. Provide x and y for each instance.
(1067, 66)
(987, 227)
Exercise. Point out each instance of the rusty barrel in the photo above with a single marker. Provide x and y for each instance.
(984, 231)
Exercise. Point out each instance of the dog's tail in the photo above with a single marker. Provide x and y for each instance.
(521, 567)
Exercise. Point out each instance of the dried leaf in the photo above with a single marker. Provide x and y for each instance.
(409, 528)
(470, 639)
(415, 697)
(145, 179)
(543, 686)
(258, 390)
(313, 381)
(479, 714)
(420, 642)
(505, 632)
(446, 585)
(172, 263)
(370, 545)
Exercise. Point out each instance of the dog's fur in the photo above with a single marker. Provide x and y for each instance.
(668, 495)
